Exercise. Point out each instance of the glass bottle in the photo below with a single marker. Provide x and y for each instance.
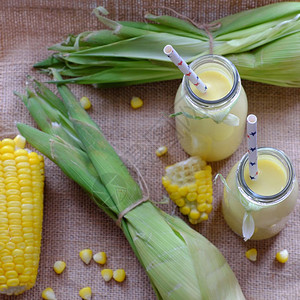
(212, 129)
(267, 213)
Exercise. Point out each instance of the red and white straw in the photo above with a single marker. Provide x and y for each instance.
(252, 146)
(185, 68)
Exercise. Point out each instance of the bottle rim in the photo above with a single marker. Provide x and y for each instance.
(261, 199)
(227, 64)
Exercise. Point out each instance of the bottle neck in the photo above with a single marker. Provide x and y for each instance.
(262, 200)
(219, 64)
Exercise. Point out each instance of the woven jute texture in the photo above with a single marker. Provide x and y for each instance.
(72, 221)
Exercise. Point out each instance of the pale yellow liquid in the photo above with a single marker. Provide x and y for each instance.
(206, 138)
(270, 219)
(217, 85)
(271, 179)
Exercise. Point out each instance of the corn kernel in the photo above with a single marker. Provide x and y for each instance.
(180, 202)
(185, 210)
(160, 151)
(107, 274)
(85, 102)
(194, 214)
(192, 187)
(282, 256)
(119, 275)
(251, 254)
(59, 266)
(20, 142)
(86, 293)
(191, 196)
(136, 102)
(204, 217)
(86, 255)
(48, 294)
(202, 207)
(183, 190)
(100, 258)
(175, 195)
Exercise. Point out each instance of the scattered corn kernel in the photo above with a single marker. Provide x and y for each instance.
(136, 102)
(100, 258)
(107, 274)
(20, 142)
(48, 294)
(85, 102)
(86, 293)
(86, 255)
(160, 151)
(189, 185)
(282, 256)
(251, 254)
(119, 275)
(59, 266)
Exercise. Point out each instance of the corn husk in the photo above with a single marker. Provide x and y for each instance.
(181, 263)
(263, 44)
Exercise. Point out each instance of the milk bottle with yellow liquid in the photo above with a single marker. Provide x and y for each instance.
(265, 203)
(211, 125)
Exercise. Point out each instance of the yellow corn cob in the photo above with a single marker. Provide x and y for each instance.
(21, 214)
(189, 185)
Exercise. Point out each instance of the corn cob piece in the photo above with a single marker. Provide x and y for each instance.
(21, 214)
(189, 185)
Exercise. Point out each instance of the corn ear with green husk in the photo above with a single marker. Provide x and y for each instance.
(179, 261)
(263, 44)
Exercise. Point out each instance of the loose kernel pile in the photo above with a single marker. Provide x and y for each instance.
(136, 102)
(189, 185)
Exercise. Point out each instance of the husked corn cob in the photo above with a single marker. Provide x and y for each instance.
(21, 214)
(189, 185)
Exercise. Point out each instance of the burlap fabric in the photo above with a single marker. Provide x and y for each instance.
(72, 221)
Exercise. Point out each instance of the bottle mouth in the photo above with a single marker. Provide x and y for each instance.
(262, 199)
(218, 60)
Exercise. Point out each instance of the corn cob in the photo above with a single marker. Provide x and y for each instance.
(189, 185)
(21, 213)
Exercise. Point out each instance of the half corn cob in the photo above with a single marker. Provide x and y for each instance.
(21, 214)
(189, 185)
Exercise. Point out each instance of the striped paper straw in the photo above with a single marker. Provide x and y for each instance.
(252, 146)
(185, 68)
